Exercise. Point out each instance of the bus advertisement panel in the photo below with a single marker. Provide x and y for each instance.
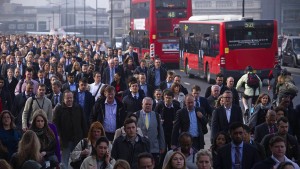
(152, 26)
(227, 45)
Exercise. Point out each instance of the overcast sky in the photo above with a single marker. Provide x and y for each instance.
(101, 3)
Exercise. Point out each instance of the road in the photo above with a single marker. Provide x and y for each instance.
(189, 82)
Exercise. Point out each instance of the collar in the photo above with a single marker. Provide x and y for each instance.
(227, 108)
(169, 106)
(114, 103)
(277, 161)
(240, 145)
(137, 95)
(193, 110)
(80, 91)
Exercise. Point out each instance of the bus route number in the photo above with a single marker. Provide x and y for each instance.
(249, 25)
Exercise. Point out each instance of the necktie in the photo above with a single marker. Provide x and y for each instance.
(237, 155)
(197, 103)
(56, 99)
(272, 130)
(147, 120)
(135, 97)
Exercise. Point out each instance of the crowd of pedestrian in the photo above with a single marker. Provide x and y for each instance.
(72, 103)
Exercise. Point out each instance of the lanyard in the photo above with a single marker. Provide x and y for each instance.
(42, 104)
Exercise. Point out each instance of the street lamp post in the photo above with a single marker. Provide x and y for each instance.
(74, 17)
(243, 10)
(53, 19)
(84, 19)
(66, 14)
(96, 20)
(111, 22)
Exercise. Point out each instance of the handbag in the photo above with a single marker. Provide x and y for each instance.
(76, 164)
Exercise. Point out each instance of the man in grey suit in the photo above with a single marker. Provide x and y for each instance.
(150, 124)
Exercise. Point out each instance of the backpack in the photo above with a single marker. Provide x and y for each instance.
(253, 80)
(77, 164)
(288, 88)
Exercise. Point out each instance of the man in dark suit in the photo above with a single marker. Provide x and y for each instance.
(133, 101)
(237, 154)
(148, 90)
(109, 72)
(56, 95)
(142, 68)
(249, 140)
(70, 84)
(177, 78)
(224, 116)
(267, 127)
(20, 65)
(278, 149)
(42, 80)
(85, 99)
(190, 119)
(19, 103)
(5, 67)
(132, 54)
(201, 101)
(168, 82)
(230, 86)
(156, 74)
(101, 113)
(219, 82)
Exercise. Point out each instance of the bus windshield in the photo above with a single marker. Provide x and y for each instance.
(249, 35)
(171, 3)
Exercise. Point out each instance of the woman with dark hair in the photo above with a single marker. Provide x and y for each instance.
(261, 107)
(179, 96)
(9, 135)
(84, 148)
(100, 157)
(129, 68)
(45, 135)
(29, 149)
(220, 140)
(119, 85)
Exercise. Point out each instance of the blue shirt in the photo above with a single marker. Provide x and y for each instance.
(112, 74)
(233, 146)
(193, 130)
(110, 122)
(144, 88)
(72, 87)
(81, 98)
(157, 77)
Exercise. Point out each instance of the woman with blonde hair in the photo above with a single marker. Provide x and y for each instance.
(204, 159)
(76, 69)
(29, 149)
(121, 164)
(176, 161)
(84, 148)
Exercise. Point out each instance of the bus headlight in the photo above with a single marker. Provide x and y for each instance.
(298, 56)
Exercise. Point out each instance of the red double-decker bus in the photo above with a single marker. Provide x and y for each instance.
(152, 27)
(227, 44)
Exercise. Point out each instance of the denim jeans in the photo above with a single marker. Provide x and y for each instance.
(66, 151)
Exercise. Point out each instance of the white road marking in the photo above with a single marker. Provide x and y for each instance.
(186, 83)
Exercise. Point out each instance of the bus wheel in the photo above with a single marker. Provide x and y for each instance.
(208, 75)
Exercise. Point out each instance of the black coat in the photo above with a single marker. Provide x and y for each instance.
(131, 104)
(262, 130)
(219, 120)
(11, 87)
(123, 149)
(224, 161)
(182, 124)
(17, 108)
(89, 102)
(70, 123)
(151, 76)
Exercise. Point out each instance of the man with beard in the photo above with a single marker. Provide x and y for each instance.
(237, 154)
